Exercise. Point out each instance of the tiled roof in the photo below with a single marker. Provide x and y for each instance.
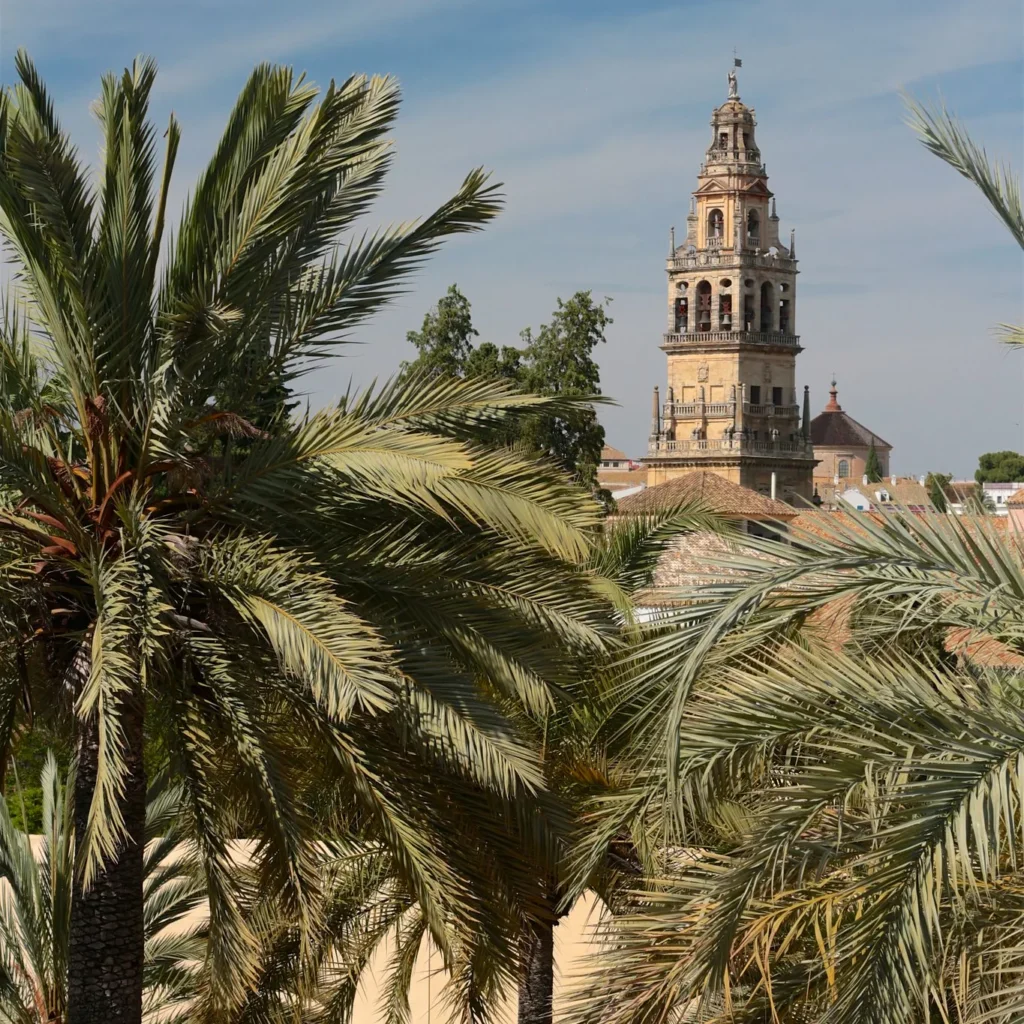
(837, 430)
(712, 491)
(617, 479)
(832, 428)
(610, 454)
(1017, 498)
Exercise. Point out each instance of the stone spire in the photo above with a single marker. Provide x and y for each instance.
(792, 243)
(655, 414)
(806, 428)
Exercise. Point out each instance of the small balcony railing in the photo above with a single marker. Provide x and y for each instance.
(718, 447)
(695, 338)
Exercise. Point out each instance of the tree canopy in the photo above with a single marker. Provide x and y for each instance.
(873, 466)
(557, 359)
(1000, 467)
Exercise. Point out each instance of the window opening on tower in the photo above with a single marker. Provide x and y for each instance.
(753, 228)
(767, 304)
(704, 306)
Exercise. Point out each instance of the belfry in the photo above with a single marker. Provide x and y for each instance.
(732, 405)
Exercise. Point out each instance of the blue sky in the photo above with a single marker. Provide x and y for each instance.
(595, 116)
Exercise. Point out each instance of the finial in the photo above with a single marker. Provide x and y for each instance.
(805, 428)
(833, 399)
(693, 205)
(775, 216)
(655, 414)
(792, 243)
(672, 240)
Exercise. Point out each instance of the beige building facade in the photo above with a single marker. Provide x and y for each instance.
(731, 404)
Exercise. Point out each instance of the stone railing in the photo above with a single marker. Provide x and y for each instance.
(717, 447)
(731, 338)
(727, 410)
(692, 410)
(786, 411)
(721, 156)
(714, 257)
(715, 242)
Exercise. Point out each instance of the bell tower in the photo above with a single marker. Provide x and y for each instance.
(732, 405)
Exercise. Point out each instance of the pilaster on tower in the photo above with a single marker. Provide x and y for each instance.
(731, 342)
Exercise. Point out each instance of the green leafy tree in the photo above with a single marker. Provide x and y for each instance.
(999, 467)
(873, 466)
(319, 605)
(936, 484)
(559, 360)
(445, 339)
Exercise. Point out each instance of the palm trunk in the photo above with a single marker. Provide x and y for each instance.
(107, 937)
(537, 967)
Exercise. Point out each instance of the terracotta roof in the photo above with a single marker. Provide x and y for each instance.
(833, 428)
(617, 479)
(610, 454)
(1017, 498)
(712, 491)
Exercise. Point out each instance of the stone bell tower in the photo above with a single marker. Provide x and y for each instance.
(732, 404)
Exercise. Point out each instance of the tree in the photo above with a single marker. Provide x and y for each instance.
(318, 605)
(35, 915)
(873, 466)
(999, 467)
(444, 341)
(936, 484)
(557, 361)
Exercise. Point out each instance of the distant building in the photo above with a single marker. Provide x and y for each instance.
(618, 473)
(731, 406)
(841, 447)
(1000, 495)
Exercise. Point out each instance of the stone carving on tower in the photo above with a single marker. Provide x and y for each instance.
(731, 340)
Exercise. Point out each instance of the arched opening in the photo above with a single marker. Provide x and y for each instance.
(844, 469)
(767, 306)
(716, 224)
(753, 228)
(682, 315)
(704, 306)
(724, 310)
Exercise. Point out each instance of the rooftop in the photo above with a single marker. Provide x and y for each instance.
(833, 428)
(711, 491)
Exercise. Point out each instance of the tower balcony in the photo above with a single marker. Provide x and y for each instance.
(675, 342)
(717, 256)
(726, 410)
(724, 447)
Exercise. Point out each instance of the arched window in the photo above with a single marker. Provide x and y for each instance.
(716, 224)
(844, 469)
(767, 306)
(753, 227)
(704, 306)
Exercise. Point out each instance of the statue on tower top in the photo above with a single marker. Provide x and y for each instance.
(733, 87)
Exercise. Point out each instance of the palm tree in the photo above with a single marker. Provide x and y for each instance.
(339, 599)
(35, 909)
(846, 713)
